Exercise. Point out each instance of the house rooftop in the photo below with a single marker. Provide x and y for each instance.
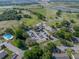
(2, 54)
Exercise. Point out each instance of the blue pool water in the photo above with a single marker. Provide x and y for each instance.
(7, 36)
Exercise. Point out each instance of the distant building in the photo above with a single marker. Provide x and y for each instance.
(2, 54)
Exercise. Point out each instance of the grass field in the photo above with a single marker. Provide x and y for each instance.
(6, 24)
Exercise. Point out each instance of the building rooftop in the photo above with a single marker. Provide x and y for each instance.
(2, 54)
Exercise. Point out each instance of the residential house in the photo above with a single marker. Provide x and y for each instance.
(3, 54)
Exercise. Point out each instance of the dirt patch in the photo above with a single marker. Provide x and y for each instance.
(6, 24)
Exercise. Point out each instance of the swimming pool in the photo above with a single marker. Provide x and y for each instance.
(7, 36)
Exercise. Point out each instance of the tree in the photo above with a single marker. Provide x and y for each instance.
(39, 15)
(66, 23)
(66, 43)
(24, 27)
(72, 21)
(10, 15)
(51, 47)
(27, 16)
(77, 15)
(25, 35)
(76, 33)
(9, 30)
(18, 43)
(30, 42)
(68, 35)
(18, 32)
(58, 13)
(47, 55)
(64, 34)
(18, 17)
(34, 53)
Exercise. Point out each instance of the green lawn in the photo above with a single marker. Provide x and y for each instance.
(31, 22)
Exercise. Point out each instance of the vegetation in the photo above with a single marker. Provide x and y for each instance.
(18, 43)
(30, 42)
(58, 13)
(47, 55)
(76, 31)
(13, 15)
(35, 53)
(61, 22)
(64, 34)
(51, 47)
(67, 43)
(69, 53)
(10, 15)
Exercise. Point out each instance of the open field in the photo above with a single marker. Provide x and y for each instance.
(5, 24)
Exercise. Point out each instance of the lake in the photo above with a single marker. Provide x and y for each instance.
(6, 6)
(64, 8)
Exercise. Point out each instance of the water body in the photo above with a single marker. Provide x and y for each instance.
(6, 7)
(66, 9)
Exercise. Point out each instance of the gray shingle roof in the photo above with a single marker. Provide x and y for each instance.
(2, 54)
